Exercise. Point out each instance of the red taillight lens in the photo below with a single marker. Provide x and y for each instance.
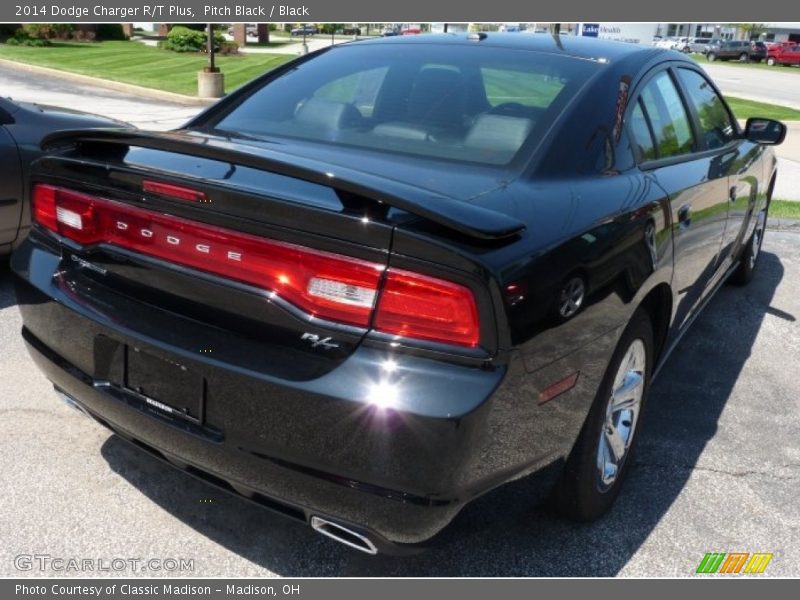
(69, 213)
(44, 206)
(422, 307)
(326, 285)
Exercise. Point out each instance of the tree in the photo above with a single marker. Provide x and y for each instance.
(750, 30)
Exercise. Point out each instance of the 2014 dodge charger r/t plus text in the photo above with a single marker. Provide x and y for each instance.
(392, 275)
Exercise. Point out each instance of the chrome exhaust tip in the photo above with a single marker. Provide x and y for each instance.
(72, 403)
(343, 535)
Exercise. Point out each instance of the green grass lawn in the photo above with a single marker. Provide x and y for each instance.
(699, 58)
(784, 209)
(744, 109)
(135, 63)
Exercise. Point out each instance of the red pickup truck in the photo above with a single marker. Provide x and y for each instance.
(786, 53)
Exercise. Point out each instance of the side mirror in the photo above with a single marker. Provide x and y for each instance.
(764, 131)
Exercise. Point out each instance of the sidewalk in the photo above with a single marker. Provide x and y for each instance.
(787, 186)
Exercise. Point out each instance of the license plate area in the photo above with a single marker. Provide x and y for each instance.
(167, 386)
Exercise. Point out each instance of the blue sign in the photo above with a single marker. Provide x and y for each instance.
(590, 29)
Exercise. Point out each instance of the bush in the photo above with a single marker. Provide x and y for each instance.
(49, 31)
(110, 31)
(183, 39)
(22, 37)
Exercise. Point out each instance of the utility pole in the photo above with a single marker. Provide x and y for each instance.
(211, 67)
(210, 82)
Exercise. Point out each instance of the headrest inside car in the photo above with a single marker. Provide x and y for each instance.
(498, 133)
(328, 114)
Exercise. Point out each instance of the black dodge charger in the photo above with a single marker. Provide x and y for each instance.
(392, 275)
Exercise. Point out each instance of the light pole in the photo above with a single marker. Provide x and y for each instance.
(210, 82)
(210, 31)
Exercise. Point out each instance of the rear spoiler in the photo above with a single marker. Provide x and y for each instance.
(465, 218)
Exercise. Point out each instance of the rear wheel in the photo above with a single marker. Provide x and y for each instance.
(711, 57)
(752, 250)
(771, 61)
(597, 465)
(744, 57)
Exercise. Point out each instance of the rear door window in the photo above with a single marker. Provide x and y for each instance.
(667, 116)
(640, 128)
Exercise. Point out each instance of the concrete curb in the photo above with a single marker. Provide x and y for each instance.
(792, 225)
(135, 90)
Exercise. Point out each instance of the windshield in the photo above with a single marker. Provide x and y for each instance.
(466, 103)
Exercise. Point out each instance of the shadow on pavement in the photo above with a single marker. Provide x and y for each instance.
(7, 297)
(506, 533)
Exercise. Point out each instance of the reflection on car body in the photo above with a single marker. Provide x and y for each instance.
(458, 259)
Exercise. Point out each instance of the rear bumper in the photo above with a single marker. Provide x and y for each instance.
(319, 447)
(324, 447)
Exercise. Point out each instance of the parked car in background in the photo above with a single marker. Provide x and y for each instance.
(305, 30)
(681, 44)
(351, 31)
(22, 127)
(740, 50)
(384, 279)
(712, 43)
(667, 43)
(697, 45)
(786, 53)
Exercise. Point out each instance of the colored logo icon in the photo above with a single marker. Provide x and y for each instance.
(734, 562)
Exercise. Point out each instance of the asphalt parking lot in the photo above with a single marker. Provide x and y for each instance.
(718, 470)
(718, 467)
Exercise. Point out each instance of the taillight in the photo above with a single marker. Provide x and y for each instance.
(427, 308)
(326, 285)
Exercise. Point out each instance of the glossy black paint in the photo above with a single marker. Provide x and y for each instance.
(305, 428)
(22, 128)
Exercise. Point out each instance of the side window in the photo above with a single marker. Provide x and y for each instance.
(646, 147)
(668, 118)
(716, 125)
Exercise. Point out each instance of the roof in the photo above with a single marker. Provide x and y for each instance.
(568, 45)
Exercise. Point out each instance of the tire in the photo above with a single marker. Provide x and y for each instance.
(711, 57)
(744, 57)
(771, 61)
(593, 474)
(752, 250)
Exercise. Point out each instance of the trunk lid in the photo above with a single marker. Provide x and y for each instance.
(250, 194)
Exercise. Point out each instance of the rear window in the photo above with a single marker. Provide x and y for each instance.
(465, 103)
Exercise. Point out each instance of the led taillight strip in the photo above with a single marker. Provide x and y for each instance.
(323, 284)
